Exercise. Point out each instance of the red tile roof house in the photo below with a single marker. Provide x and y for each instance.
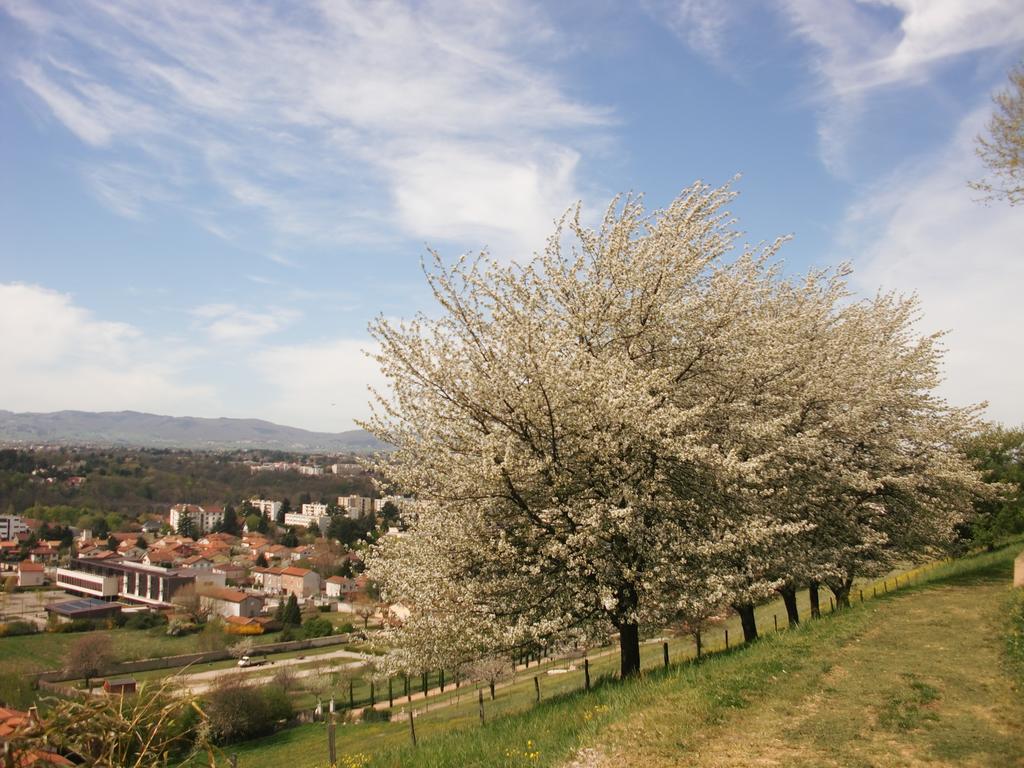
(300, 582)
(31, 574)
(231, 602)
(11, 722)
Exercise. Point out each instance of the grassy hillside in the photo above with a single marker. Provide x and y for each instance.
(917, 677)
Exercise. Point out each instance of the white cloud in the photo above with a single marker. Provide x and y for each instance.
(702, 24)
(308, 117)
(921, 231)
(859, 49)
(58, 355)
(230, 323)
(321, 386)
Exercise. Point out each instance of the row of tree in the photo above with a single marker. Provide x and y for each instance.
(648, 424)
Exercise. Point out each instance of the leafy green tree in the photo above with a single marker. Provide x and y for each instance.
(290, 539)
(261, 560)
(999, 454)
(252, 522)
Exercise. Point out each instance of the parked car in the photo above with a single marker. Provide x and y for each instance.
(252, 661)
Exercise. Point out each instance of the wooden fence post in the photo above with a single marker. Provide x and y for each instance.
(332, 752)
(697, 638)
(351, 696)
(480, 691)
(373, 695)
(861, 595)
(664, 653)
(586, 674)
(412, 728)
(391, 694)
(536, 686)
(441, 678)
(727, 639)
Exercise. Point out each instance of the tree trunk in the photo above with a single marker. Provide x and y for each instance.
(749, 622)
(812, 590)
(492, 690)
(842, 592)
(629, 650)
(788, 593)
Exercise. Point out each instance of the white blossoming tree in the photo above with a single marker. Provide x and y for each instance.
(553, 420)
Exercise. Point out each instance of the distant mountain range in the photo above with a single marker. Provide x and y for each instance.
(131, 428)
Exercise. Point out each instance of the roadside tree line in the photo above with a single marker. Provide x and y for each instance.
(647, 423)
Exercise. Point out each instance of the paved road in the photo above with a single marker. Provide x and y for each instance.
(199, 682)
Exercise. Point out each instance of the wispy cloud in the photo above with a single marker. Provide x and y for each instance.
(854, 47)
(861, 46)
(230, 323)
(325, 121)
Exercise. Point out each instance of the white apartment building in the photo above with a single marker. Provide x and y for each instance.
(315, 471)
(302, 521)
(203, 520)
(314, 510)
(11, 526)
(266, 507)
(356, 506)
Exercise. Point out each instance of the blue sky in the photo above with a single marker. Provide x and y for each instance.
(202, 205)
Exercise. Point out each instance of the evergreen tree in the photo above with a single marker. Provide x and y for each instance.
(291, 614)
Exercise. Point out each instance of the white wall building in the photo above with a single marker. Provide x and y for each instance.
(314, 471)
(11, 526)
(266, 507)
(356, 506)
(203, 520)
(314, 509)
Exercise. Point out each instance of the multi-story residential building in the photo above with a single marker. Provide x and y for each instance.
(300, 582)
(313, 470)
(266, 507)
(356, 506)
(11, 526)
(302, 521)
(203, 519)
(314, 509)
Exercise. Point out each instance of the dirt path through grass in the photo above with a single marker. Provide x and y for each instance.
(915, 680)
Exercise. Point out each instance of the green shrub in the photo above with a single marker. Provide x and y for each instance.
(238, 710)
(145, 620)
(78, 625)
(15, 628)
(318, 627)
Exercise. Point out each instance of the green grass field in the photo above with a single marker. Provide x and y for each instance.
(917, 677)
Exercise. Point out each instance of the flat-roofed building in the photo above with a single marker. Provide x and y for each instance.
(83, 608)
